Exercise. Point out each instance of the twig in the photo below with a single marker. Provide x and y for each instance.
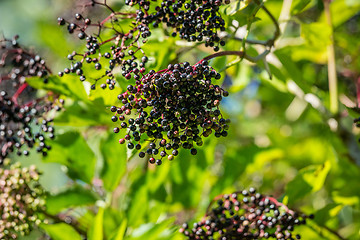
(277, 33)
(225, 53)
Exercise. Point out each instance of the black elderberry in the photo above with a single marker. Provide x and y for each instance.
(125, 56)
(234, 218)
(183, 114)
(24, 118)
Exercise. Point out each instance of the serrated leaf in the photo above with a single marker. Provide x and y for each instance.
(61, 231)
(74, 197)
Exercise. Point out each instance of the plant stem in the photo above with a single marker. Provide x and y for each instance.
(18, 92)
(277, 33)
(358, 91)
(332, 78)
(224, 53)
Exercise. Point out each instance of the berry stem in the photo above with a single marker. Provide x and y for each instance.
(224, 53)
(279, 204)
(104, 4)
(18, 92)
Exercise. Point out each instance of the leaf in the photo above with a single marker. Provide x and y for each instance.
(96, 231)
(243, 12)
(316, 34)
(74, 197)
(79, 114)
(298, 6)
(151, 231)
(139, 206)
(292, 70)
(115, 159)
(236, 6)
(71, 150)
(61, 231)
(54, 38)
(66, 85)
(309, 179)
(121, 231)
(342, 11)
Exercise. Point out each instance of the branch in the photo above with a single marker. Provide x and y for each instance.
(277, 33)
(271, 41)
(252, 41)
(225, 53)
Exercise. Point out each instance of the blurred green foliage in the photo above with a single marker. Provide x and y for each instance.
(283, 140)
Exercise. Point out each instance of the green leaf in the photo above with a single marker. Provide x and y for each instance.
(243, 12)
(61, 231)
(316, 34)
(115, 159)
(79, 114)
(342, 11)
(96, 231)
(298, 6)
(74, 197)
(71, 150)
(66, 85)
(152, 231)
(139, 206)
(54, 38)
(121, 231)
(236, 6)
(309, 179)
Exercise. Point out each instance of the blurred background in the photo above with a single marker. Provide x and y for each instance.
(283, 139)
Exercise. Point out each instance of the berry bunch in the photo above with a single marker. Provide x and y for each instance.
(19, 105)
(119, 48)
(21, 200)
(172, 108)
(16, 63)
(193, 20)
(246, 215)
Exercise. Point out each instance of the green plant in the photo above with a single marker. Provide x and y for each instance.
(238, 93)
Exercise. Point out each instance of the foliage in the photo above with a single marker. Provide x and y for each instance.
(287, 137)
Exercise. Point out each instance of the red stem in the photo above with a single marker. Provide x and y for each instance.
(18, 92)
(224, 53)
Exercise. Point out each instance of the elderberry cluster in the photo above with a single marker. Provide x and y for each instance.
(16, 63)
(108, 46)
(193, 20)
(25, 119)
(21, 200)
(246, 215)
(173, 108)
